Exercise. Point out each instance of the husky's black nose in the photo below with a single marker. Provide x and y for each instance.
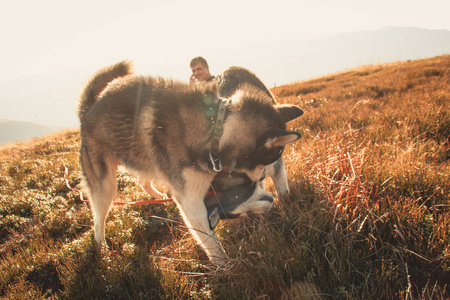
(266, 198)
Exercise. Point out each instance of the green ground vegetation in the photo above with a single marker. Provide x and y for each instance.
(368, 216)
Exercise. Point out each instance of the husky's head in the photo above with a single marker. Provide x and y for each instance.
(255, 132)
(235, 195)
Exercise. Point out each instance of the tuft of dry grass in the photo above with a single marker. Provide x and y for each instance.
(368, 216)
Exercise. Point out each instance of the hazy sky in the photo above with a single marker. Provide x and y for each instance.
(47, 36)
(50, 47)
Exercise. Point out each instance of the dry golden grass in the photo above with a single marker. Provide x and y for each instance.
(368, 216)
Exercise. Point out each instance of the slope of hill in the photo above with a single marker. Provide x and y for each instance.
(306, 59)
(368, 216)
(14, 131)
(50, 99)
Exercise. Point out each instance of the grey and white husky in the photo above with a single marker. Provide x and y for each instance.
(229, 81)
(181, 136)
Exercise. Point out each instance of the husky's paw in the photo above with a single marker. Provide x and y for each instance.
(220, 264)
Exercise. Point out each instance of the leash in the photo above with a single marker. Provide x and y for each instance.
(141, 202)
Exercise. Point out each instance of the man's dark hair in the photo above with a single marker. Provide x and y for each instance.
(197, 60)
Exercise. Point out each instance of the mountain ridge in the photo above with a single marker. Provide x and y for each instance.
(319, 57)
(15, 131)
(51, 98)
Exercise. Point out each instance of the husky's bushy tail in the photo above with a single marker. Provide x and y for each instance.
(98, 82)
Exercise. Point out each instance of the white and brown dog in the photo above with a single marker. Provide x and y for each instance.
(167, 131)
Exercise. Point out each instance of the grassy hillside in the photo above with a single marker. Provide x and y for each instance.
(368, 216)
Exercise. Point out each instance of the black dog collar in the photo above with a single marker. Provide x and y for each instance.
(217, 121)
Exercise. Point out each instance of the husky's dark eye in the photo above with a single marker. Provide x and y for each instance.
(265, 156)
(274, 154)
(262, 156)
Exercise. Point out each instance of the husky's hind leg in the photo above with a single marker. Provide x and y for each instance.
(101, 184)
(101, 204)
(147, 186)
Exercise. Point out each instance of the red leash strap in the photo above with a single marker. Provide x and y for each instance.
(142, 202)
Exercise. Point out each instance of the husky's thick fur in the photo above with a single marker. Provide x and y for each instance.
(163, 130)
(235, 77)
(229, 82)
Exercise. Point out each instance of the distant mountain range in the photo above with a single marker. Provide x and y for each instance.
(14, 131)
(51, 99)
(288, 62)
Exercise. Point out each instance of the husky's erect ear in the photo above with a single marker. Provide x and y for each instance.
(283, 138)
(289, 112)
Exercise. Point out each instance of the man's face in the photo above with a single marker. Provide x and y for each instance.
(200, 72)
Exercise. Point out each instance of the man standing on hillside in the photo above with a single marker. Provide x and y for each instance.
(200, 71)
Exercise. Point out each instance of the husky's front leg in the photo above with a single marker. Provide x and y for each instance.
(195, 215)
(196, 219)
